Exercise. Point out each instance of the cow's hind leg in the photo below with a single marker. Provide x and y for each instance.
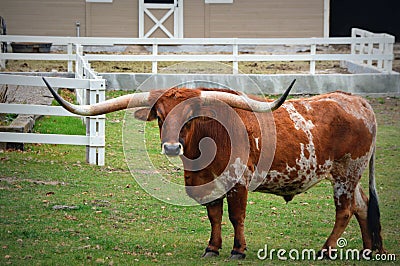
(237, 202)
(344, 203)
(361, 213)
(214, 211)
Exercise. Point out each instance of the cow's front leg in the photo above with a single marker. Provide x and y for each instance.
(214, 210)
(237, 202)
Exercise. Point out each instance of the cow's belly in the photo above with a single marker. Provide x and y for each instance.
(287, 182)
(286, 185)
(292, 180)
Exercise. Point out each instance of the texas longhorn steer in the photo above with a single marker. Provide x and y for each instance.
(327, 136)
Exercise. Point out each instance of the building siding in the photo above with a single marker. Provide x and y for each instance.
(116, 19)
(194, 19)
(43, 17)
(272, 18)
(242, 18)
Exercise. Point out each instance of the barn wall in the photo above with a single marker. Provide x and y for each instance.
(261, 18)
(116, 19)
(194, 18)
(243, 18)
(43, 17)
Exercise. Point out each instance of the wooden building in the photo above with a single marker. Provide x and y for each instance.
(168, 18)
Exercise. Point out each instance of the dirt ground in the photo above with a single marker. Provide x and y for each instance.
(387, 110)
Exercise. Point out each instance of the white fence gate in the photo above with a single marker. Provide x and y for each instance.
(370, 48)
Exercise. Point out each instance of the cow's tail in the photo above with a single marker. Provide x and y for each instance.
(374, 216)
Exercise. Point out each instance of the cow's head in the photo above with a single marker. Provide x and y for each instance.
(178, 111)
(175, 109)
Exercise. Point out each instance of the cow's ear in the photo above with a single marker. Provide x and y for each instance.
(145, 114)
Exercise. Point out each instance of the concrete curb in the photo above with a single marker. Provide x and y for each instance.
(363, 84)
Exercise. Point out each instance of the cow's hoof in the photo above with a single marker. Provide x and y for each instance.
(209, 253)
(235, 255)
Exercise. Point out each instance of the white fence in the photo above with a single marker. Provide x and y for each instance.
(90, 89)
(373, 50)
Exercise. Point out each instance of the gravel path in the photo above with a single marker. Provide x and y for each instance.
(28, 94)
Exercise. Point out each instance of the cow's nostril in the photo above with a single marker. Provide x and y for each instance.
(172, 149)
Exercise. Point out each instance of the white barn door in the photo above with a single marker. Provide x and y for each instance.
(161, 18)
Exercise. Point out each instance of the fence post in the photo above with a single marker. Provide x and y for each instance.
(95, 126)
(78, 61)
(388, 50)
(2, 61)
(154, 64)
(313, 51)
(381, 50)
(101, 129)
(353, 41)
(69, 51)
(370, 47)
(79, 73)
(235, 63)
(361, 50)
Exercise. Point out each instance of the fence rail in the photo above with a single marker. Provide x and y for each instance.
(363, 49)
(110, 41)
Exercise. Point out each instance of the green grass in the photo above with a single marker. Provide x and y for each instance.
(61, 125)
(115, 222)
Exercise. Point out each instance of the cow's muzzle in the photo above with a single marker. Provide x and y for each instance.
(172, 149)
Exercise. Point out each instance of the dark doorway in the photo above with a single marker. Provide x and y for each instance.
(158, 1)
(377, 16)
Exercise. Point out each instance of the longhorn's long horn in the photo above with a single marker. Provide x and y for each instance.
(244, 102)
(112, 105)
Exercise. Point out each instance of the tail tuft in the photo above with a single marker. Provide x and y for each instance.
(374, 215)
